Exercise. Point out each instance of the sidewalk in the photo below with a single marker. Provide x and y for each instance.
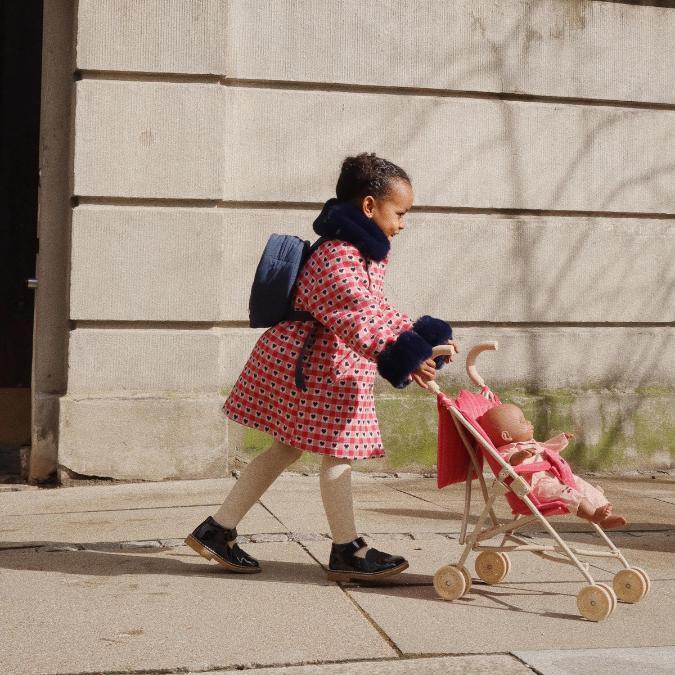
(97, 579)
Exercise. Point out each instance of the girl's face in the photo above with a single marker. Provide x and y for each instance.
(388, 211)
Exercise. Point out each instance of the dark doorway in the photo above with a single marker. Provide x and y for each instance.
(20, 76)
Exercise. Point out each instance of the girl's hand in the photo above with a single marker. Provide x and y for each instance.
(425, 373)
(451, 357)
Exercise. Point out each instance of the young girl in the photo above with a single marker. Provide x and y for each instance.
(331, 412)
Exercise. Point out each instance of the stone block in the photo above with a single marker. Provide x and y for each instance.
(149, 437)
(132, 361)
(123, 361)
(189, 264)
(170, 36)
(146, 264)
(460, 152)
(148, 139)
(598, 50)
(533, 269)
(182, 141)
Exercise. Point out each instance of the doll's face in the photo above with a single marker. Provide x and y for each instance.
(506, 423)
(388, 211)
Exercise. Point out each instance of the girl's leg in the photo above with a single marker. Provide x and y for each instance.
(345, 563)
(335, 481)
(255, 478)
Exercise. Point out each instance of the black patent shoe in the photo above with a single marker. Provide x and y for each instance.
(210, 539)
(345, 566)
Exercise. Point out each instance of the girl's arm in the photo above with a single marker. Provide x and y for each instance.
(337, 294)
(396, 319)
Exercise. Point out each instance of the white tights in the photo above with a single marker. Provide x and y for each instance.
(335, 482)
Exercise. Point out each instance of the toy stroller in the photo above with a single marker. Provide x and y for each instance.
(462, 446)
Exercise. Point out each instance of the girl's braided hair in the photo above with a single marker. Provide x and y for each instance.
(366, 174)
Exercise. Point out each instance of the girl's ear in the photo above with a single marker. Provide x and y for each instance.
(367, 206)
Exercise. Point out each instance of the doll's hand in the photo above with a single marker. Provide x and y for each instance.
(568, 436)
(520, 455)
(425, 373)
(451, 357)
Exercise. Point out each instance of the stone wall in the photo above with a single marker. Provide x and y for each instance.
(540, 138)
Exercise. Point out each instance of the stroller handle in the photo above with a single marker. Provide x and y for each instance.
(449, 350)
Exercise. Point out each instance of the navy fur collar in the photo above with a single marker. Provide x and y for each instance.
(342, 220)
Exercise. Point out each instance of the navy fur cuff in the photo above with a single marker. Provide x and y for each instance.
(435, 332)
(399, 359)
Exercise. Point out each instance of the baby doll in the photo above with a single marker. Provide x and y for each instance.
(512, 435)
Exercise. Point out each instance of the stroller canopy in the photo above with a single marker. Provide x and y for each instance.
(453, 460)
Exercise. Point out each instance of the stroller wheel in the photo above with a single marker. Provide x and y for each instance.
(645, 576)
(596, 602)
(467, 578)
(492, 566)
(631, 585)
(450, 582)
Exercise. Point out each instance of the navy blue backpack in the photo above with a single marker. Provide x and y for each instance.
(273, 288)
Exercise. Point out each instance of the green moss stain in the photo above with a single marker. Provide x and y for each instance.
(613, 430)
(408, 425)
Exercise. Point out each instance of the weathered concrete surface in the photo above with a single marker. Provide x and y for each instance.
(168, 140)
(160, 35)
(50, 334)
(117, 496)
(379, 510)
(167, 136)
(553, 48)
(512, 610)
(460, 152)
(172, 609)
(120, 362)
(654, 660)
(197, 264)
(186, 360)
(167, 608)
(146, 437)
(106, 527)
(177, 256)
(140, 427)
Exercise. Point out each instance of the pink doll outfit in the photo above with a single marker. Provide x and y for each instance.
(553, 480)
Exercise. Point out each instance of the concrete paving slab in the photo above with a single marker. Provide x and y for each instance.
(647, 505)
(426, 556)
(648, 660)
(90, 611)
(441, 665)
(652, 551)
(111, 526)
(660, 491)
(117, 497)
(512, 617)
(376, 508)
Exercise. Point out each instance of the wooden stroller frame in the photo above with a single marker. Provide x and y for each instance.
(595, 601)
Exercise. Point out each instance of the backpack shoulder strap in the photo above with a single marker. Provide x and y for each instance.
(297, 314)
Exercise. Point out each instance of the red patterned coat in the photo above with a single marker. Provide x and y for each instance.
(336, 415)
